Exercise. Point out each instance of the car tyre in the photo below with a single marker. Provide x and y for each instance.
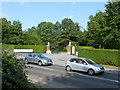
(26, 61)
(40, 63)
(91, 72)
(68, 68)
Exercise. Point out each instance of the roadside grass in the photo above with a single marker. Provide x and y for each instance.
(109, 66)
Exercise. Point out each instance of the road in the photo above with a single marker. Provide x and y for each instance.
(55, 76)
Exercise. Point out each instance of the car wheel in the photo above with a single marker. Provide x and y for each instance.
(40, 63)
(26, 61)
(68, 68)
(91, 72)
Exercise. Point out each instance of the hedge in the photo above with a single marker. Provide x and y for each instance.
(8, 47)
(101, 56)
(36, 48)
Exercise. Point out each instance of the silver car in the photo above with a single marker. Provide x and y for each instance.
(38, 58)
(83, 64)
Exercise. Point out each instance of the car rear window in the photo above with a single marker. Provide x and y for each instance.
(30, 55)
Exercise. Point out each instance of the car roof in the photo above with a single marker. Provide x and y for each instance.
(79, 58)
(36, 53)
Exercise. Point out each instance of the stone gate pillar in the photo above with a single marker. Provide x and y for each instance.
(69, 48)
(48, 51)
(73, 50)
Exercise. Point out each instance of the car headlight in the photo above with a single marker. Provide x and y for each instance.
(44, 61)
(97, 69)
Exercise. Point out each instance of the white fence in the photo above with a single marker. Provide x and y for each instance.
(23, 50)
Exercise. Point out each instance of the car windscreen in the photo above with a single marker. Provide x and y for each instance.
(41, 56)
(90, 61)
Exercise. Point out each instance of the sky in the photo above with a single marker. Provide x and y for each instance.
(32, 13)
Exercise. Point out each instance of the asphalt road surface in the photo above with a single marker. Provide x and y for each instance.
(55, 76)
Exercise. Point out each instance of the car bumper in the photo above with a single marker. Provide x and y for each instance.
(100, 71)
(48, 63)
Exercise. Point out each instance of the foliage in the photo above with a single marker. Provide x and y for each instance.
(103, 31)
(101, 56)
(8, 47)
(11, 32)
(104, 28)
(113, 24)
(12, 73)
(45, 30)
(31, 38)
(96, 27)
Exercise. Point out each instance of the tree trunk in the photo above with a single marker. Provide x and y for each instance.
(100, 46)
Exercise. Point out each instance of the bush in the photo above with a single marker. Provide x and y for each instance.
(8, 47)
(101, 56)
(12, 73)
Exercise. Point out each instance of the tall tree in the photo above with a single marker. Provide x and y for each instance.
(70, 31)
(67, 24)
(112, 39)
(45, 30)
(32, 38)
(6, 30)
(96, 27)
(11, 32)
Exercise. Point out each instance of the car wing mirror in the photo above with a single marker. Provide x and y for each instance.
(85, 63)
(36, 57)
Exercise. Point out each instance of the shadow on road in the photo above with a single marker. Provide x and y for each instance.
(74, 80)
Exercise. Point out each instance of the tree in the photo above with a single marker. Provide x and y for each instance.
(45, 30)
(112, 39)
(32, 38)
(70, 31)
(11, 32)
(58, 26)
(6, 29)
(96, 27)
(104, 28)
(67, 24)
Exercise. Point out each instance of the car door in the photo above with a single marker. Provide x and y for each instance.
(72, 63)
(29, 58)
(36, 59)
(79, 65)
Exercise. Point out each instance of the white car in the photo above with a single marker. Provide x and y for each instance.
(83, 64)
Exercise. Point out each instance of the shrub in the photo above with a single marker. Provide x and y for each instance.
(101, 56)
(8, 47)
(12, 73)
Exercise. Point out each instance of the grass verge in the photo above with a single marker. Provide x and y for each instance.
(109, 66)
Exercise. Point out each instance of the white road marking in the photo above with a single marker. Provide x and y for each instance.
(47, 68)
(41, 67)
(100, 78)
